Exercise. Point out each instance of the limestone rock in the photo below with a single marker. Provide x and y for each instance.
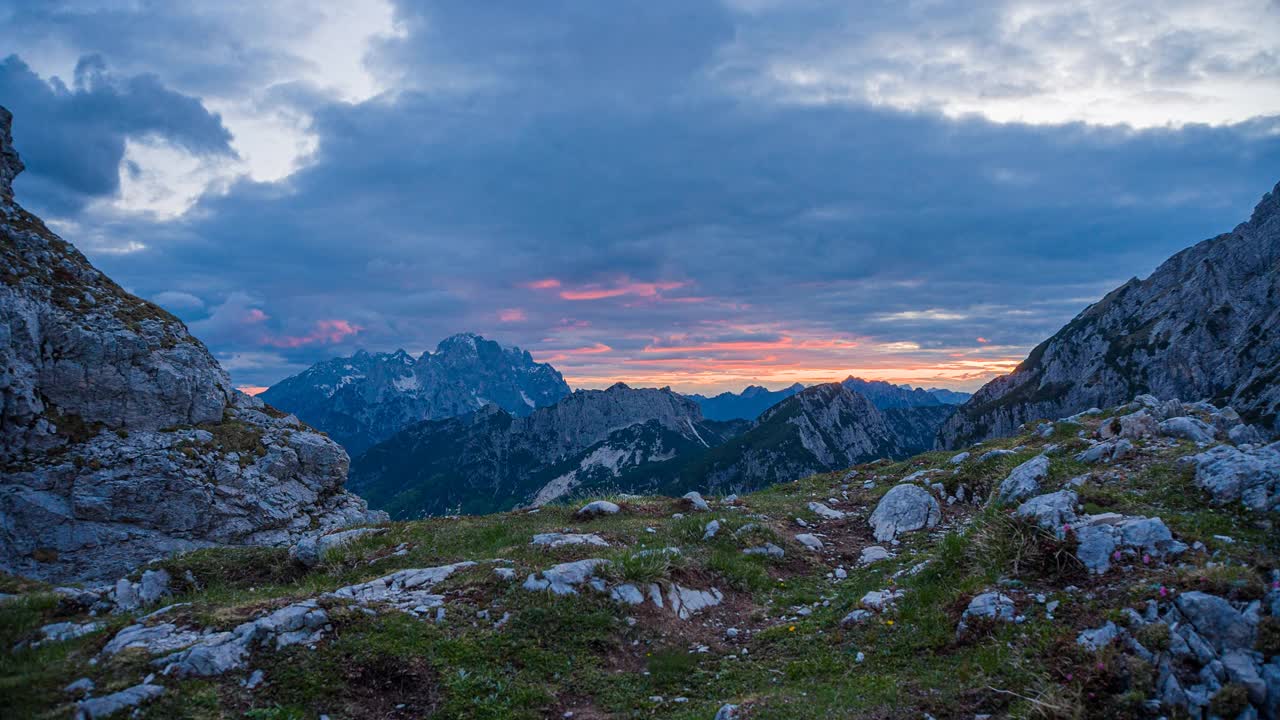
(554, 540)
(1187, 428)
(825, 512)
(1232, 474)
(903, 509)
(107, 705)
(1217, 621)
(1024, 481)
(311, 550)
(598, 508)
(1052, 511)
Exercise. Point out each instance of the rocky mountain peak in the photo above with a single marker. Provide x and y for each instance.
(10, 164)
(1267, 210)
(366, 398)
(1204, 324)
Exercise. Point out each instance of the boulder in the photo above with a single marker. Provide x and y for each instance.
(1053, 511)
(696, 501)
(768, 550)
(825, 512)
(1232, 474)
(554, 540)
(1024, 481)
(565, 578)
(1100, 536)
(873, 554)
(1099, 637)
(311, 550)
(810, 541)
(1187, 428)
(1217, 621)
(904, 508)
(598, 508)
(991, 604)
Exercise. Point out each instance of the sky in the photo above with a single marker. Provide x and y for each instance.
(701, 194)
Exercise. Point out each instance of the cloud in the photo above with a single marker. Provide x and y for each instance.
(528, 175)
(177, 300)
(73, 138)
(323, 332)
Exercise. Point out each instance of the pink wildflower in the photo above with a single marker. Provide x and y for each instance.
(1146, 559)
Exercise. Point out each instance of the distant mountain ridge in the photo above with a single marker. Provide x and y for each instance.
(490, 460)
(754, 399)
(746, 405)
(1203, 325)
(366, 398)
(629, 440)
(887, 395)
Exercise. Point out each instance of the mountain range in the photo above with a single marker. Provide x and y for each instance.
(629, 440)
(1203, 325)
(754, 400)
(366, 398)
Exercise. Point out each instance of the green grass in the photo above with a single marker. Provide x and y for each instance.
(591, 656)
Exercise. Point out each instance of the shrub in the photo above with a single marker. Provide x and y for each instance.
(1230, 701)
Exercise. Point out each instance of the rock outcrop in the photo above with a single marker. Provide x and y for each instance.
(1204, 324)
(366, 398)
(121, 439)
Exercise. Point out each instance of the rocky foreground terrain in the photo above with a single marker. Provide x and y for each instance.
(121, 439)
(1118, 563)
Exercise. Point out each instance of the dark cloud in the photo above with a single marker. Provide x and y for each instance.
(587, 180)
(73, 137)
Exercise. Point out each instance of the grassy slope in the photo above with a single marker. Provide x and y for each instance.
(580, 654)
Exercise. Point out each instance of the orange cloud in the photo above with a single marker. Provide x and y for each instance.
(251, 389)
(324, 332)
(545, 284)
(640, 289)
(512, 315)
(983, 340)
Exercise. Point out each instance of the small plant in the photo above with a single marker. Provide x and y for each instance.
(644, 567)
(1009, 545)
(671, 667)
(274, 713)
(1154, 636)
(1230, 581)
(1268, 642)
(1230, 701)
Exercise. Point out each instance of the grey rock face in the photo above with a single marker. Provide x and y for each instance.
(121, 439)
(107, 705)
(1053, 511)
(1099, 637)
(1217, 621)
(1231, 475)
(599, 507)
(1187, 428)
(1203, 325)
(1024, 481)
(368, 397)
(553, 540)
(993, 605)
(1101, 536)
(311, 549)
(904, 508)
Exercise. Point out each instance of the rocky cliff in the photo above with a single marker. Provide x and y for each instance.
(491, 460)
(121, 439)
(368, 397)
(1204, 324)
